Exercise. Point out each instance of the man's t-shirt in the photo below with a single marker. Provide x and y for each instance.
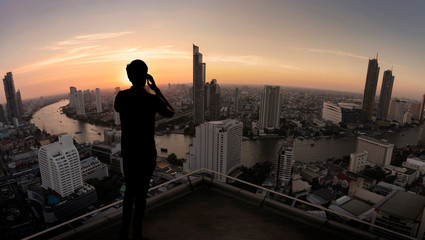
(137, 110)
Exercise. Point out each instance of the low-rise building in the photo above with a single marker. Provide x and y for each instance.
(405, 176)
(401, 212)
(93, 168)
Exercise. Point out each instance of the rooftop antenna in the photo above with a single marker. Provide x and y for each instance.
(391, 68)
(376, 56)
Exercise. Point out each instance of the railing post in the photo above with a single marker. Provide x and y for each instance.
(212, 179)
(264, 199)
(190, 183)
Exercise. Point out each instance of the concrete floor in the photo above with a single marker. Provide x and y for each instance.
(210, 215)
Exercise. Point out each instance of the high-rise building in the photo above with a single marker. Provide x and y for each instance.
(379, 152)
(199, 72)
(398, 108)
(284, 164)
(236, 100)
(422, 110)
(72, 97)
(358, 162)
(98, 100)
(270, 108)
(19, 101)
(370, 89)
(2, 116)
(60, 166)
(87, 96)
(11, 101)
(80, 107)
(212, 100)
(216, 146)
(385, 96)
(415, 110)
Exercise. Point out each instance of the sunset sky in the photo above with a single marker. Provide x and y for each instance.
(51, 45)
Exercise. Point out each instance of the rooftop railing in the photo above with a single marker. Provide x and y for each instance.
(205, 172)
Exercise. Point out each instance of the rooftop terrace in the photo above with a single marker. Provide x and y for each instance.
(205, 209)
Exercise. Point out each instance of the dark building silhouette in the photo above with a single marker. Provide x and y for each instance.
(370, 89)
(199, 72)
(19, 100)
(236, 103)
(385, 96)
(212, 100)
(11, 99)
(2, 116)
(421, 111)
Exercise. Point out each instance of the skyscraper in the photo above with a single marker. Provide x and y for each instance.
(370, 89)
(60, 166)
(2, 116)
(385, 96)
(216, 146)
(80, 107)
(212, 100)
(98, 100)
(199, 72)
(19, 101)
(73, 96)
(11, 101)
(270, 108)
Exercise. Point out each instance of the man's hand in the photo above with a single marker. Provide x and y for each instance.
(151, 83)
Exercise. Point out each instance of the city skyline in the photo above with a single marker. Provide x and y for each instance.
(311, 44)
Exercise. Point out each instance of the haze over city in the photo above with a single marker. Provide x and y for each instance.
(51, 45)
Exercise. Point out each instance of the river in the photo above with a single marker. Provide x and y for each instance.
(51, 119)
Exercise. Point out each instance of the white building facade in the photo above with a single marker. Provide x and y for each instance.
(217, 146)
(60, 166)
(358, 162)
(331, 112)
(284, 165)
(379, 152)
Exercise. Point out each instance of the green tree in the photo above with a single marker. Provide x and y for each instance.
(172, 158)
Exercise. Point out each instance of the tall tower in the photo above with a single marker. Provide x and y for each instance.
(370, 89)
(216, 146)
(385, 96)
(11, 101)
(199, 72)
(270, 108)
(19, 101)
(98, 100)
(80, 107)
(73, 96)
(2, 116)
(212, 100)
(60, 166)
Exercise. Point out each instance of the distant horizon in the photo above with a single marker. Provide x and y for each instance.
(227, 85)
(297, 43)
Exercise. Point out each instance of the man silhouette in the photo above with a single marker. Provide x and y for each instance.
(137, 110)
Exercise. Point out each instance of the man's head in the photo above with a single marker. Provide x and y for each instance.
(136, 72)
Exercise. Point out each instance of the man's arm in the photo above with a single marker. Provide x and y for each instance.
(169, 110)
